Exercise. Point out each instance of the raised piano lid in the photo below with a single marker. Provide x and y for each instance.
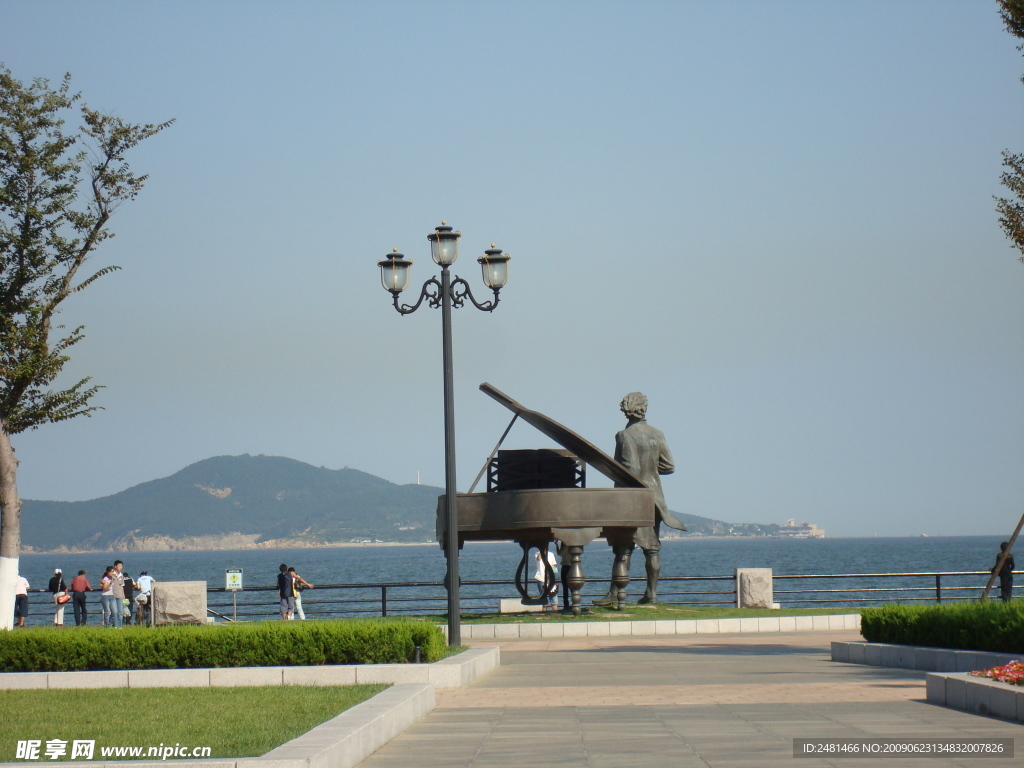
(565, 437)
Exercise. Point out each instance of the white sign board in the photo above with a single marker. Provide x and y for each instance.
(233, 578)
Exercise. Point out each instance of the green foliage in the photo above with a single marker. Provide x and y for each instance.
(233, 722)
(261, 644)
(990, 626)
(58, 190)
(1011, 210)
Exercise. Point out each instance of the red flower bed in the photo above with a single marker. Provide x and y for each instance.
(1012, 673)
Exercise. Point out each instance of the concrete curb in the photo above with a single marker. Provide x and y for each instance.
(978, 695)
(916, 657)
(453, 672)
(660, 627)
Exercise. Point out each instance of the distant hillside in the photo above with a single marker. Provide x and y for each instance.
(237, 501)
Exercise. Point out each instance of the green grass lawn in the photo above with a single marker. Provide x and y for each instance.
(634, 612)
(233, 722)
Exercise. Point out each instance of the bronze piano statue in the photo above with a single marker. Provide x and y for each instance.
(535, 497)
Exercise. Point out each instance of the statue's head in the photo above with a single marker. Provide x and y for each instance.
(634, 405)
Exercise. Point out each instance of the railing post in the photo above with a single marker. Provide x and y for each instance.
(383, 600)
(938, 587)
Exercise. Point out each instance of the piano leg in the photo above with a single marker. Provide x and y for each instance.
(620, 573)
(575, 578)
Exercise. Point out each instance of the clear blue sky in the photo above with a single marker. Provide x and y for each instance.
(773, 218)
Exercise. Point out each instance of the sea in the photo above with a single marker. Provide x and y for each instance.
(375, 564)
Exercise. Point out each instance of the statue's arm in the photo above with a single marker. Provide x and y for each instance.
(665, 464)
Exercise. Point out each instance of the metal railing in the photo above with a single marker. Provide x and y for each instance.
(428, 597)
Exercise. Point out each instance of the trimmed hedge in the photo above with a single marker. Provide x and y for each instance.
(990, 626)
(260, 644)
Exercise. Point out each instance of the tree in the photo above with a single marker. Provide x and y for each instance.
(58, 190)
(1011, 210)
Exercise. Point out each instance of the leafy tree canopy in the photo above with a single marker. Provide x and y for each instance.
(1011, 210)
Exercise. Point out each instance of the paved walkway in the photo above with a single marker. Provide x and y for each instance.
(679, 701)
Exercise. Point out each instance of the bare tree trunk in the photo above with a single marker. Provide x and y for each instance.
(10, 528)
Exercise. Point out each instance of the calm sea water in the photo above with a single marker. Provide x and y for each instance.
(498, 561)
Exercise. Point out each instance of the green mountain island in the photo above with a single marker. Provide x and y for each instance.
(243, 502)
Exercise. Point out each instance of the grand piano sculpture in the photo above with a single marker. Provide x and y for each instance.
(534, 497)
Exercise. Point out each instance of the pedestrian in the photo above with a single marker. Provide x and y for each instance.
(144, 600)
(566, 557)
(298, 584)
(117, 590)
(129, 597)
(286, 590)
(1005, 573)
(21, 599)
(79, 586)
(546, 569)
(59, 594)
(107, 598)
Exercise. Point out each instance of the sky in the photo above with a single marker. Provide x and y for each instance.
(775, 219)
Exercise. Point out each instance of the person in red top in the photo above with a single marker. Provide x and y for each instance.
(79, 586)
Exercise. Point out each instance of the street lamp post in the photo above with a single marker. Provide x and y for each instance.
(447, 293)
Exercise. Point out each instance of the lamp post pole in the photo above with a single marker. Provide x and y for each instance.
(446, 294)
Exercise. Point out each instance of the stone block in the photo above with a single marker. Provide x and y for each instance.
(707, 626)
(769, 624)
(890, 656)
(529, 630)
(956, 691)
(728, 625)
(665, 627)
(873, 654)
(620, 628)
(506, 631)
(644, 627)
(179, 602)
(574, 629)
(945, 661)
(1004, 701)
(749, 625)
(242, 676)
(927, 660)
(978, 696)
(392, 673)
(169, 678)
(841, 652)
(552, 630)
(329, 674)
(104, 679)
(516, 605)
(686, 626)
(446, 677)
(598, 628)
(935, 687)
(819, 622)
(754, 588)
(24, 680)
(787, 623)
(906, 657)
(480, 631)
(856, 653)
(837, 621)
(803, 623)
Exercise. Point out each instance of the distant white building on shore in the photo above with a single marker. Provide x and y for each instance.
(794, 530)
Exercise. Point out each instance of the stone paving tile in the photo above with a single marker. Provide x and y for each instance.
(709, 701)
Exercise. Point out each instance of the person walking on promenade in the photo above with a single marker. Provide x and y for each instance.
(1005, 573)
(107, 597)
(21, 599)
(79, 586)
(286, 591)
(59, 591)
(117, 590)
(298, 584)
(144, 600)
